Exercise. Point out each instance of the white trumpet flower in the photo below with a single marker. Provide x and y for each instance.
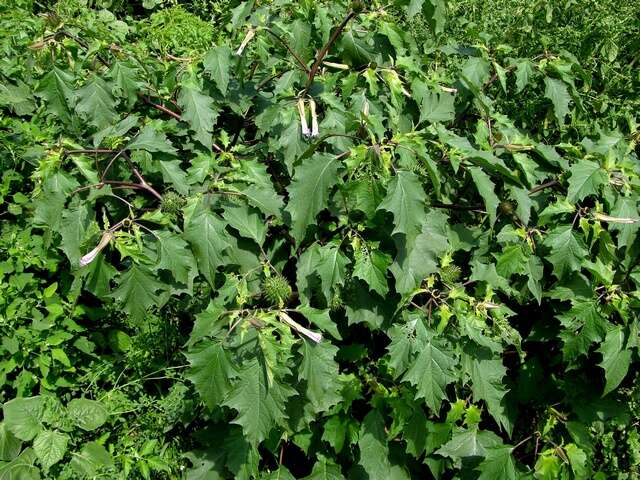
(91, 256)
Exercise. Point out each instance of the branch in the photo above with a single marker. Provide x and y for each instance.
(323, 52)
(162, 108)
(539, 188)
(453, 206)
(289, 49)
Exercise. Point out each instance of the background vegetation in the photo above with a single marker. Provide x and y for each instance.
(458, 221)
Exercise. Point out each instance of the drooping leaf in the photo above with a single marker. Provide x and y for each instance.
(320, 371)
(586, 178)
(557, 92)
(211, 372)
(616, 359)
(205, 233)
(96, 103)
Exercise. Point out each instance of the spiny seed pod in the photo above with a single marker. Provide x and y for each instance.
(336, 302)
(357, 6)
(172, 203)
(506, 208)
(277, 290)
(450, 273)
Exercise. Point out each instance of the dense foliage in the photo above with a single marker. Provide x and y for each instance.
(327, 240)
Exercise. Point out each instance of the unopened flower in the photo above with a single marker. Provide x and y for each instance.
(303, 118)
(91, 256)
(315, 131)
(313, 336)
(247, 38)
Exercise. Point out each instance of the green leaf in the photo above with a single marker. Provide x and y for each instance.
(586, 178)
(325, 469)
(248, 223)
(371, 266)
(152, 141)
(260, 192)
(321, 319)
(137, 291)
(21, 468)
(616, 359)
(431, 372)
(487, 384)
(498, 463)
(437, 107)
(87, 414)
(309, 192)
(320, 371)
(175, 257)
(331, 266)
(23, 416)
(96, 104)
(626, 208)
(568, 251)
(259, 400)
(197, 110)
(415, 263)
(557, 92)
(469, 443)
(205, 233)
(374, 450)
(211, 372)
(173, 174)
(55, 88)
(487, 190)
(524, 72)
(125, 82)
(217, 63)
(73, 229)
(10, 445)
(90, 459)
(50, 447)
(405, 200)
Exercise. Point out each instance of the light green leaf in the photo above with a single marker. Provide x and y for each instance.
(50, 447)
(616, 359)
(23, 416)
(626, 207)
(586, 178)
(73, 229)
(557, 92)
(216, 63)
(21, 468)
(10, 445)
(406, 201)
(567, 250)
(487, 190)
(90, 459)
(469, 443)
(487, 384)
(87, 414)
(371, 267)
(309, 192)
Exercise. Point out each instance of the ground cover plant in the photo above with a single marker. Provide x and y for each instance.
(318, 240)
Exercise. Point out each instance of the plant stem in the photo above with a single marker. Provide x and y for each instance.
(323, 51)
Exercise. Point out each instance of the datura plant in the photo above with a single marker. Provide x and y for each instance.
(389, 266)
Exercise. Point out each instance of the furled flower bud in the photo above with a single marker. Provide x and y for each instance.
(91, 256)
(315, 131)
(303, 118)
